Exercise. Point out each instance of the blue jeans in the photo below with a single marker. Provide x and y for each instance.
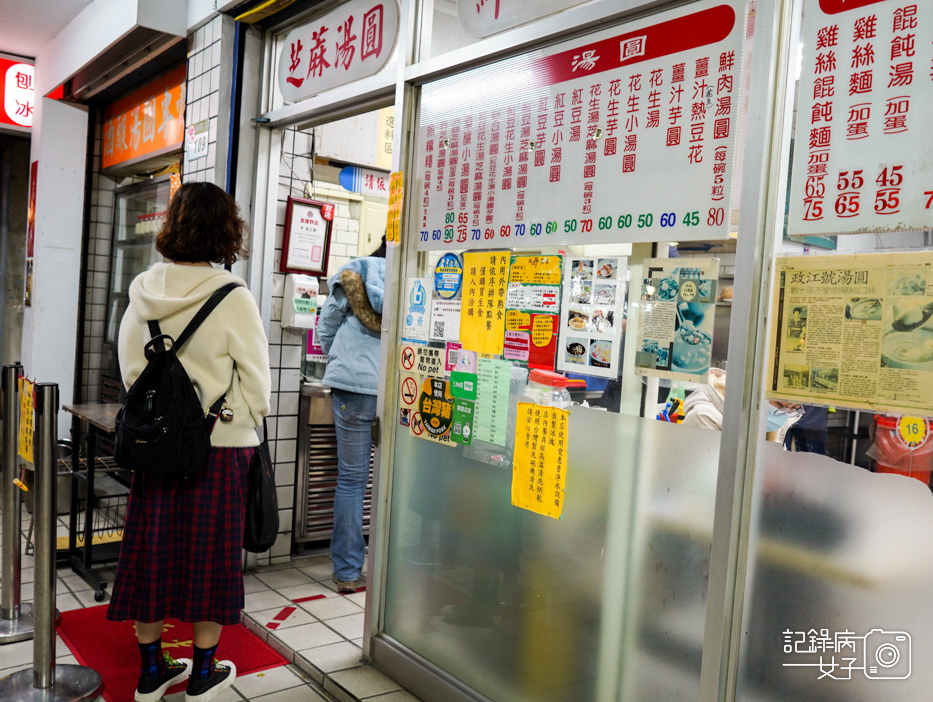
(353, 418)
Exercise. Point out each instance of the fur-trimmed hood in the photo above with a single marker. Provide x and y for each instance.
(363, 282)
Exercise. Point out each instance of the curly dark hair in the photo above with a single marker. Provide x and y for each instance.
(203, 224)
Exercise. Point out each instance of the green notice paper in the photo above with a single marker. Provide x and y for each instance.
(461, 430)
(492, 400)
(463, 385)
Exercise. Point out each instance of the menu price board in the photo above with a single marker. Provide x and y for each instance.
(861, 157)
(539, 466)
(569, 144)
(678, 310)
(591, 320)
(854, 331)
(532, 309)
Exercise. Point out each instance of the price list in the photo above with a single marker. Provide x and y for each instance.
(492, 400)
(861, 155)
(622, 135)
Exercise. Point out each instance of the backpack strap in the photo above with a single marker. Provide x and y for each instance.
(202, 314)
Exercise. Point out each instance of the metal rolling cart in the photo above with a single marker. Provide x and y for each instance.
(97, 513)
(317, 467)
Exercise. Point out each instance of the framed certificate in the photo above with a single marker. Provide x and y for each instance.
(306, 241)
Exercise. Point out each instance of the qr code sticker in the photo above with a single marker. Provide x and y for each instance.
(438, 330)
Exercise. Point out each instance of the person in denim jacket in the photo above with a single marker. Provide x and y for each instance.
(349, 331)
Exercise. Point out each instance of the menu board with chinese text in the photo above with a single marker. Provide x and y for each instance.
(532, 310)
(623, 135)
(862, 151)
(854, 331)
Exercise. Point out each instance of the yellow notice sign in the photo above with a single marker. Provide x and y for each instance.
(536, 270)
(517, 321)
(482, 314)
(543, 330)
(393, 230)
(26, 413)
(539, 464)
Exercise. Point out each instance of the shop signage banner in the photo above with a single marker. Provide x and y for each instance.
(539, 465)
(626, 134)
(17, 83)
(148, 121)
(678, 309)
(592, 315)
(353, 41)
(482, 18)
(854, 331)
(862, 151)
(365, 181)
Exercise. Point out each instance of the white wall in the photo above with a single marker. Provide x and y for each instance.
(50, 325)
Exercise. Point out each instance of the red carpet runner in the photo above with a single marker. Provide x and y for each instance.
(110, 648)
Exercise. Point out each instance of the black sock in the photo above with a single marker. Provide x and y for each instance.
(203, 664)
(152, 662)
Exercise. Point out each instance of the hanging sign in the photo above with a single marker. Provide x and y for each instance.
(27, 409)
(861, 154)
(678, 309)
(591, 316)
(148, 122)
(539, 465)
(306, 241)
(365, 181)
(854, 331)
(626, 134)
(353, 41)
(17, 92)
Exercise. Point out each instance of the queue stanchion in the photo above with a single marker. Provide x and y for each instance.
(47, 681)
(16, 622)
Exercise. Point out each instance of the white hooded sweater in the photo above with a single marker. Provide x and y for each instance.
(228, 353)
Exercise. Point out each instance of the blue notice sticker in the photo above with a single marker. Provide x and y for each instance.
(448, 276)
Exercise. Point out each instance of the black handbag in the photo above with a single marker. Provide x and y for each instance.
(262, 504)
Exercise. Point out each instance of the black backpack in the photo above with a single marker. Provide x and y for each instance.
(161, 428)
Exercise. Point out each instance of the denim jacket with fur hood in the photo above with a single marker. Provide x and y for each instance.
(350, 325)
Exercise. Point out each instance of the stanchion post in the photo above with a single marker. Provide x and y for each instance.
(46, 681)
(16, 623)
(45, 512)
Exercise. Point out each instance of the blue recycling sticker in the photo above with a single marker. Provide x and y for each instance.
(448, 276)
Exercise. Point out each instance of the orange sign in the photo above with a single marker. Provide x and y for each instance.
(148, 121)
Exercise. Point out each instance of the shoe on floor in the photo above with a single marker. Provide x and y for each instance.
(222, 677)
(345, 587)
(153, 689)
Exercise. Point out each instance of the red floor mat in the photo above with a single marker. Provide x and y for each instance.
(110, 648)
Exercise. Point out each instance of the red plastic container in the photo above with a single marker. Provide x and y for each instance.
(892, 456)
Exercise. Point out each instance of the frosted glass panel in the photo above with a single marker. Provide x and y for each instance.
(605, 604)
(838, 549)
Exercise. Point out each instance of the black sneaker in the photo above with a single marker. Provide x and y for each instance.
(153, 689)
(222, 677)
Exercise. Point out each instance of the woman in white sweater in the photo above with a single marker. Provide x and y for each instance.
(181, 549)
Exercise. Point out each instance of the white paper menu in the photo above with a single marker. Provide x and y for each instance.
(591, 315)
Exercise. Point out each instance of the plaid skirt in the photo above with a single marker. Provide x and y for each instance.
(181, 551)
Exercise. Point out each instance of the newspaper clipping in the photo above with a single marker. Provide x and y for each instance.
(855, 331)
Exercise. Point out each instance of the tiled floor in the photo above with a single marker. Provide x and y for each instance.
(294, 607)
